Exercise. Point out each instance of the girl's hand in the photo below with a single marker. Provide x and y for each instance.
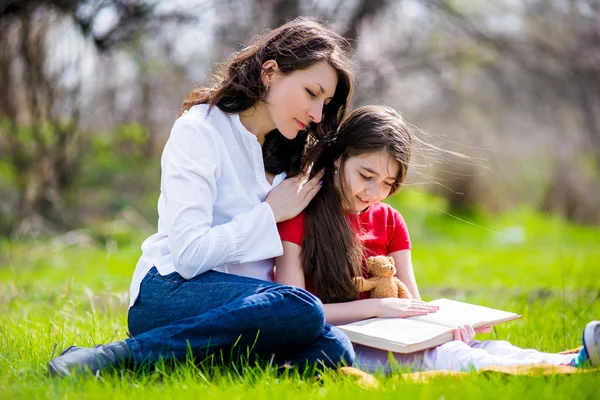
(464, 333)
(292, 196)
(400, 308)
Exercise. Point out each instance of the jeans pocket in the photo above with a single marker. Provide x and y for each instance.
(172, 277)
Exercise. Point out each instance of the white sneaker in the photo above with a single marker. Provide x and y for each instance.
(591, 342)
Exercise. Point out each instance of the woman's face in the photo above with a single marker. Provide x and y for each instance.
(369, 179)
(296, 99)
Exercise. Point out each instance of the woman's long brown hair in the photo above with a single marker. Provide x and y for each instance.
(331, 254)
(296, 45)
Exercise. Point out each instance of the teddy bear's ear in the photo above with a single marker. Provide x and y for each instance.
(391, 259)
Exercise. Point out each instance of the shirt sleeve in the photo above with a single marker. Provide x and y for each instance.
(190, 172)
(398, 234)
(292, 230)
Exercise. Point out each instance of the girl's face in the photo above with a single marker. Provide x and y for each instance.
(369, 179)
(296, 99)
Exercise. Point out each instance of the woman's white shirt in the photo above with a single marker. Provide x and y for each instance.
(211, 209)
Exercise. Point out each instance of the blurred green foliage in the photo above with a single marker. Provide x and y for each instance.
(116, 171)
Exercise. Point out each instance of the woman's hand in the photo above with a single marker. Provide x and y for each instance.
(292, 196)
(400, 308)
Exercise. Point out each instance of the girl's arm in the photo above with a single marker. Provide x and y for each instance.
(289, 272)
(404, 271)
(288, 267)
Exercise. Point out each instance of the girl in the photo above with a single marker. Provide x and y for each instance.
(324, 247)
(200, 285)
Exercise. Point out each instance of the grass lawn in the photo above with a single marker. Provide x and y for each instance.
(53, 295)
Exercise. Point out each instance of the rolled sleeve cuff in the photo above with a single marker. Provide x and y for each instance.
(258, 238)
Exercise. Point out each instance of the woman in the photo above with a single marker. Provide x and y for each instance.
(201, 285)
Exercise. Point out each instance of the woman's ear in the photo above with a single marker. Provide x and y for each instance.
(270, 70)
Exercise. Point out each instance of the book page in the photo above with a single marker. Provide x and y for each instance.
(455, 313)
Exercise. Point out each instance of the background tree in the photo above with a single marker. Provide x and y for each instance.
(41, 105)
(91, 89)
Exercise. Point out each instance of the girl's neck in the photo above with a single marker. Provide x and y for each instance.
(257, 120)
(353, 212)
(363, 211)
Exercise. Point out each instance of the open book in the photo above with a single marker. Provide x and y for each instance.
(407, 335)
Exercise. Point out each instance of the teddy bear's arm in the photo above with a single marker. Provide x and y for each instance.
(363, 285)
(403, 292)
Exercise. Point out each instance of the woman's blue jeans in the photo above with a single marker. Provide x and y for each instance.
(217, 313)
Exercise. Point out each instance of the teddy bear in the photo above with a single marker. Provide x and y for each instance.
(383, 282)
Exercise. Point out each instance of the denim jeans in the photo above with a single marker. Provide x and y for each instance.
(219, 313)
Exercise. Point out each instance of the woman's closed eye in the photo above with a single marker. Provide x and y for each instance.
(310, 93)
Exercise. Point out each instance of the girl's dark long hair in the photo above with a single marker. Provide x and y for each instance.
(294, 46)
(331, 253)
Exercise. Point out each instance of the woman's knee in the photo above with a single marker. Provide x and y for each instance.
(302, 309)
(340, 350)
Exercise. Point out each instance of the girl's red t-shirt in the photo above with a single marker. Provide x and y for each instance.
(381, 230)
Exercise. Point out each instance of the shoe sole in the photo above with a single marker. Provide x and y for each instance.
(590, 343)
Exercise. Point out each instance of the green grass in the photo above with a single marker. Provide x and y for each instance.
(54, 295)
